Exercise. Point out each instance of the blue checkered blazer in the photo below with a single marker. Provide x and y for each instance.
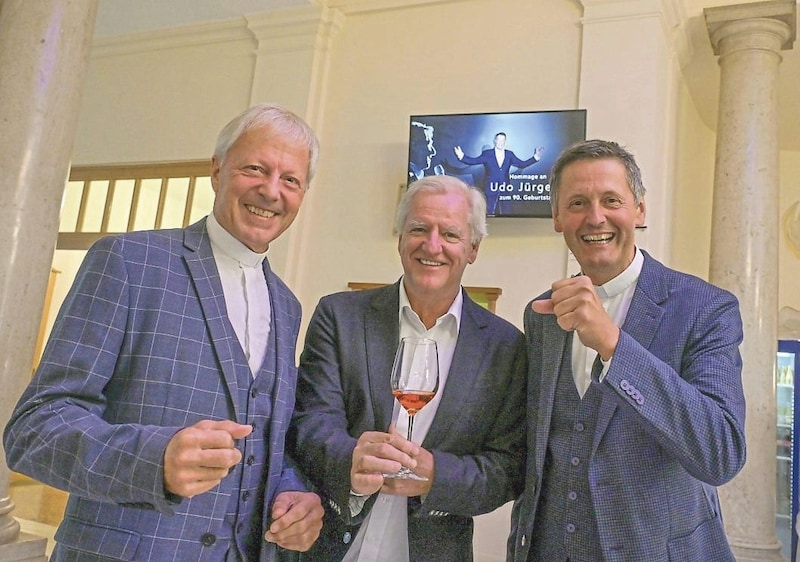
(141, 348)
(659, 453)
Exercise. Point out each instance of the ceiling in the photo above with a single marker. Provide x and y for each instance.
(699, 64)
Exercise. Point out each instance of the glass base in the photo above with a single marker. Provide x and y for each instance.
(405, 474)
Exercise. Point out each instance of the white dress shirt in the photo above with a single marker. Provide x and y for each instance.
(500, 156)
(245, 290)
(616, 296)
(384, 534)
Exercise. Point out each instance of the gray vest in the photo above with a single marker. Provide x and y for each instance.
(565, 527)
(243, 524)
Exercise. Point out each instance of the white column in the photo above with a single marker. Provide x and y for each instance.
(744, 244)
(44, 52)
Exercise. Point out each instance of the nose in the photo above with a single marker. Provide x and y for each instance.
(596, 214)
(270, 187)
(433, 243)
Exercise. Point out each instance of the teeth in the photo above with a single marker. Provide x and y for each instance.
(260, 212)
(429, 262)
(597, 237)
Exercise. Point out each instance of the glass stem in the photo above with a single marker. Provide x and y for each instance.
(410, 426)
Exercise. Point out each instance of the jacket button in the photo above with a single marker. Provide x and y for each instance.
(346, 537)
(250, 460)
(208, 539)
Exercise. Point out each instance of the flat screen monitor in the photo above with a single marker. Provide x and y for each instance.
(507, 155)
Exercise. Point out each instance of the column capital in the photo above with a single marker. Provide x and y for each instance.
(295, 29)
(778, 17)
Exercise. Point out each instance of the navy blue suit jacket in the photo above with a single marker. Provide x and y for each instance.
(142, 348)
(655, 461)
(477, 435)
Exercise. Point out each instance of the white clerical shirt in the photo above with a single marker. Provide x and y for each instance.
(245, 290)
(616, 296)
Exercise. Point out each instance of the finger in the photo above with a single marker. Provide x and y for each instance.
(377, 443)
(294, 516)
(235, 430)
(374, 457)
(544, 306)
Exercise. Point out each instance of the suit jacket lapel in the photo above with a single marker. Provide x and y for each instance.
(465, 369)
(641, 323)
(285, 345)
(205, 276)
(555, 343)
(380, 341)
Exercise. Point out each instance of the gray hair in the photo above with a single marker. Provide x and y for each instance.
(278, 121)
(447, 184)
(596, 149)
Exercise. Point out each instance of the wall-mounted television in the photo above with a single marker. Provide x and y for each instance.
(507, 155)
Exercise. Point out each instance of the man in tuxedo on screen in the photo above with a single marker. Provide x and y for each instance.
(497, 162)
(471, 433)
(635, 402)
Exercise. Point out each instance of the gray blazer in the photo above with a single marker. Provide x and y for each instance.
(477, 436)
(659, 453)
(141, 348)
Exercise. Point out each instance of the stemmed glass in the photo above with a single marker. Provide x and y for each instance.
(415, 380)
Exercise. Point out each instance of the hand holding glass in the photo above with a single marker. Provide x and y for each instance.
(415, 380)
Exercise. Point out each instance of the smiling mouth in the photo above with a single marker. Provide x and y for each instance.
(431, 263)
(597, 238)
(260, 212)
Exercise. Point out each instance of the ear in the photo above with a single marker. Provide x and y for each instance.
(641, 213)
(473, 254)
(216, 164)
(557, 226)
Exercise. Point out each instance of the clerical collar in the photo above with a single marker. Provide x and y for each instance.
(624, 280)
(230, 246)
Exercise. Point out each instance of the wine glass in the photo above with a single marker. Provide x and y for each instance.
(415, 380)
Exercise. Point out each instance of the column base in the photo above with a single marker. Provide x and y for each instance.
(27, 548)
(758, 552)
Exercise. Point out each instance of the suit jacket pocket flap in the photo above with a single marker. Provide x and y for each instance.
(97, 539)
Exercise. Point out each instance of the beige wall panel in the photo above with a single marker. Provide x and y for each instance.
(388, 65)
(163, 104)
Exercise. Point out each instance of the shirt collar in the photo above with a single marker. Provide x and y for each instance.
(624, 280)
(230, 246)
(454, 311)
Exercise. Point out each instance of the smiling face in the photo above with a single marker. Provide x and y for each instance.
(435, 247)
(499, 141)
(259, 186)
(597, 215)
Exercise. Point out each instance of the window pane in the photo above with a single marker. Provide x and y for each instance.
(95, 204)
(120, 206)
(70, 205)
(148, 204)
(175, 202)
(203, 200)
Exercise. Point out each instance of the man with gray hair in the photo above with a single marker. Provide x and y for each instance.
(163, 396)
(472, 431)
